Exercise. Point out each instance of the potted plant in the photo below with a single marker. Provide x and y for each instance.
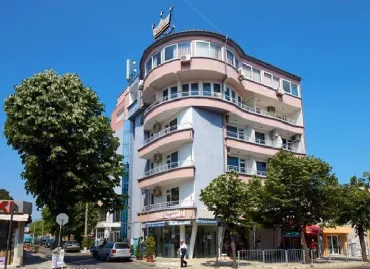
(138, 253)
(150, 248)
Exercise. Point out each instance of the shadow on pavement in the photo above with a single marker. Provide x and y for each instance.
(32, 259)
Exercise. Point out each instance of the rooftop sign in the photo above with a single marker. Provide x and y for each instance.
(164, 26)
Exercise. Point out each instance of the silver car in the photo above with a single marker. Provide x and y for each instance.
(115, 251)
(71, 246)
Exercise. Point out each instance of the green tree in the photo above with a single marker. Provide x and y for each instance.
(354, 207)
(228, 197)
(36, 228)
(66, 144)
(298, 191)
(5, 195)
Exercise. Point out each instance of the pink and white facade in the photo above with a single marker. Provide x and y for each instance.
(202, 107)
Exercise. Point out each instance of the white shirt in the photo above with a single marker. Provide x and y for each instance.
(183, 245)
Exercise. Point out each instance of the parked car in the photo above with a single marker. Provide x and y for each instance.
(49, 243)
(115, 251)
(71, 246)
(94, 251)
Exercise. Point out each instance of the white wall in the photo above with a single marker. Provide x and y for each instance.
(184, 153)
(185, 116)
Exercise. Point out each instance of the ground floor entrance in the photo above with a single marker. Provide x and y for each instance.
(334, 244)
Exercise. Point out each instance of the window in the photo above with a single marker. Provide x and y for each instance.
(241, 133)
(156, 59)
(202, 49)
(165, 95)
(120, 114)
(170, 52)
(215, 51)
(286, 144)
(286, 86)
(232, 131)
(232, 162)
(230, 57)
(174, 92)
(260, 138)
(267, 79)
(194, 89)
(173, 124)
(275, 82)
(217, 89)
(174, 159)
(207, 89)
(295, 89)
(242, 165)
(261, 168)
(117, 216)
(247, 71)
(148, 66)
(173, 195)
(256, 75)
(184, 48)
(233, 96)
(227, 94)
(185, 90)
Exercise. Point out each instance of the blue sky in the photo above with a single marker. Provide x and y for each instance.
(325, 42)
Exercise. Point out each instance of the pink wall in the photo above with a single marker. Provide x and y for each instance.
(171, 175)
(122, 103)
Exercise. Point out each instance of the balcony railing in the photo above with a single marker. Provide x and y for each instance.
(223, 97)
(166, 131)
(168, 167)
(246, 171)
(269, 143)
(170, 205)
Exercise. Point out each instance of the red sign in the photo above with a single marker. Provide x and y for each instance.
(6, 206)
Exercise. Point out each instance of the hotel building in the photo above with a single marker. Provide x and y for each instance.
(199, 108)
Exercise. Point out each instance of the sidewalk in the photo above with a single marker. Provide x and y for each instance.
(170, 263)
(36, 261)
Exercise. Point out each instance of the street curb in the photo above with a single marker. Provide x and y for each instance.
(152, 264)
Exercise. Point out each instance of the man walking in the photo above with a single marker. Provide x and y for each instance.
(183, 250)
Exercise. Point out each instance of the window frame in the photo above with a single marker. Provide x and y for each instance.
(175, 57)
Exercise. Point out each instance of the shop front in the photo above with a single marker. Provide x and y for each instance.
(335, 240)
(21, 217)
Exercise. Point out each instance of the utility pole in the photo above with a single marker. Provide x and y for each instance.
(86, 214)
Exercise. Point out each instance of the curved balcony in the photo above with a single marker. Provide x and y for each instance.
(169, 205)
(199, 68)
(174, 103)
(246, 174)
(250, 144)
(167, 172)
(166, 139)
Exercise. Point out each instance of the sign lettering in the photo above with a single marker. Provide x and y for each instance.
(164, 26)
(6, 206)
(171, 214)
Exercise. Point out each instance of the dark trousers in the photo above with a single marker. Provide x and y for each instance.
(183, 262)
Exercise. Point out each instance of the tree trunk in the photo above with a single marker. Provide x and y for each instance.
(304, 244)
(361, 236)
(233, 248)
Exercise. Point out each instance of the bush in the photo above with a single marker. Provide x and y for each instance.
(86, 242)
(150, 246)
(138, 249)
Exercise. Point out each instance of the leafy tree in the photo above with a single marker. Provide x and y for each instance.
(354, 207)
(228, 197)
(298, 191)
(5, 195)
(66, 144)
(39, 228)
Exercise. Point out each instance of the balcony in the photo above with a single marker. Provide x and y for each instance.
(167, 172)
(221, 101)
(166, 139)
(265, 147)
(169, 205)
(246, 171)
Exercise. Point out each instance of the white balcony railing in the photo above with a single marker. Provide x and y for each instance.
(224, 97)
(168, 167)
(166, 131)
(170, 205)
(269, 143)
(246, 171)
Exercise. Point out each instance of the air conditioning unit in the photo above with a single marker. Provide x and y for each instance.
(157, 158)
(185, 58)
(279, 91)
(141, 84)
(157, 191)
(296, 138)
(241, 75)
(156, 127)
(271, 109)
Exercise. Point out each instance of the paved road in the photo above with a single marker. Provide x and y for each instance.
(82, 260)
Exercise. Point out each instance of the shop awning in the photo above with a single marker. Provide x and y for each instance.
(206, 221)
(291, 234)
(155, 224)
(313, 229)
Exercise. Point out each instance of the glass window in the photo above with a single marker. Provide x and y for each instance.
(241, 133)
(173, 195)
(267, 79)
(230, 57)
(232, 131)
(286, 86)
(170, 52)
(216, 88)
(295, 89)
(165, 95)
(156, 59)
(148, 66)
(247, 71)
(261, 166)
(260, 138)
(236, 63)
(216, 51)
(233, 96)
(227, 94)
(174, 92)
(202, 49)
(257, 75)
(122, 246)
(207, 89)
(185, 90)
(194, 89)
(275, 82)
(184, 48)
(232, 162)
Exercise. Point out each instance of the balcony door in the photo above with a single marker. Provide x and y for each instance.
(173, 197)
(334, 246)
(172, 160)
(233, 163)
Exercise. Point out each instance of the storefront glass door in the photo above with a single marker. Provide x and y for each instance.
(334, 247)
